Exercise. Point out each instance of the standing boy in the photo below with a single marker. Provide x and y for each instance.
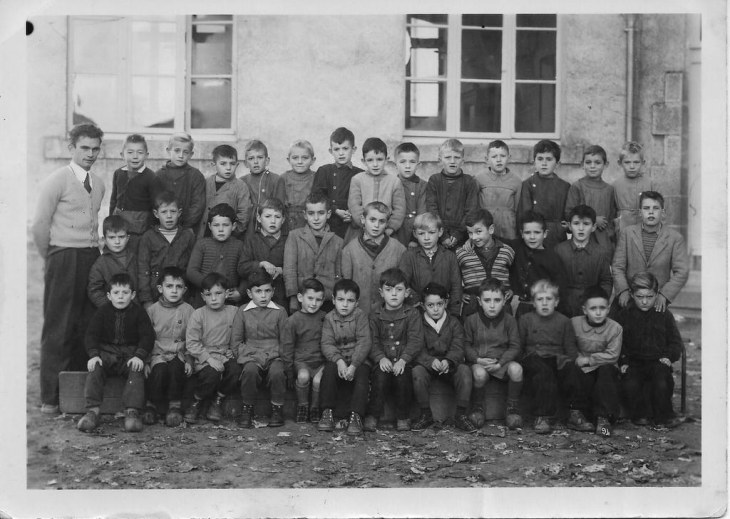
(298, 181)
(262, 183)
(499, 190)
(414, 188)
(628, 189)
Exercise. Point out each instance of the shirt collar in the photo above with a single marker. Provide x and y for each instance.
(252, 305)
(80, 173)
(140, 170)
(587, 327)
(659, 228)
(347, 165)
(587, 247)
(436, 325)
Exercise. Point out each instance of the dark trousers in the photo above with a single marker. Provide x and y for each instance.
(67, 311)
(115, 366)
(460, 379)
(661, 386)
(601, 386)
(381, 382)
(274, 377)
(209, 380)
(545, 380)
(332, 385)
(166, 381)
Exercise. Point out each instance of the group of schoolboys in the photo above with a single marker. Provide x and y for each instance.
(351, 284)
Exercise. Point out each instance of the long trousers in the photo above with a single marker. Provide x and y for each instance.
(166, 381)
(253, 376)
(546, 380)
(402, 386)
(661, 386)
(209, 381)
(460, 380)
(111, 366)
(332, 386)
(601, 385)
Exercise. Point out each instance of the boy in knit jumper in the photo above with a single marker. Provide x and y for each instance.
(262, 183)
(375, 184)
(133, 189)
(431, 262)
(628, 189)
(119, 339)
(224, 188)
(546, 193)
(312, 252)
(500, 190)
(187, 182)
(548, 361)
(333, 180)
(414, 188)
(442, 357)
(374, 252)
(217, 252)
(298, 182)
(65, 232)
(208, 342)
(169, 365)
(301, 348)
(345, 346)
(256, 341)
(117, 258)
(452, 194)
(164, 245)
(483, 256)
(595, 192)
(265, 249)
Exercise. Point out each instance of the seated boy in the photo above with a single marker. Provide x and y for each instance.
(164, 245)
(442, 358)
(118, 340)
(431, 262)
(116, 259)
(169, 364)
(262, 183)
(483, 256)
(208, 342)
(371, 254)
(301, 348)
(133, 189)
(549, 347)
(651, 343)
(586, 264)
(345, 346)
(298, 182)
(492, 347)
(265, 249)
(414, 188)
(397, 334)
(599, 344)
(224, 188)
(654, 247)
(256, 341)
(500, 190)
(312, 251)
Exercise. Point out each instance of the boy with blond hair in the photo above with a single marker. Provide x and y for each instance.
(298, 181)
(628, 188)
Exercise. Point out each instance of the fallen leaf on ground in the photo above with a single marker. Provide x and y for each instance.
(594, 468)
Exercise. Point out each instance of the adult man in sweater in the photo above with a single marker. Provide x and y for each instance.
(65, 231)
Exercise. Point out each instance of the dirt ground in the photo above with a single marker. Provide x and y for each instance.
(298, 456)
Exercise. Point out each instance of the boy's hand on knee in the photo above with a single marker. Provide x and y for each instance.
(188, 369)
(93, 363)
(135, 364)
(215, 364)
(582, 361)
(494, 367)
(660, 304)
(444, 367)
(342, 369)
(350, 373)
(399, 367)
(436, 365)
(147, 370)
(665, 361)
(385, 365)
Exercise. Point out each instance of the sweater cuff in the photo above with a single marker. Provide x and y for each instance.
(140, 353)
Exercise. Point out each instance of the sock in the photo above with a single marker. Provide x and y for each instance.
(426, 412)
(94, 410)
(477, 395)
(315, 396)
(302, 393)
(513, 390)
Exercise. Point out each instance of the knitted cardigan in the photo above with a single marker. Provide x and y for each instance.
(210, 255)
(472, 269)
(120, 331)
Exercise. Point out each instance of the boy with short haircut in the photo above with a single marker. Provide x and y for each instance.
(118, 340)
(628, 189)
(596, 193)
(431, 262)
(371, 254)
(345, 346)
(452, 194)
(544, 192)
(224, 188)
(298, 181)
(585, 263)
(375, 184)
(185, 181)
(483, 256)
(653, 247)
(164, 245)
(548, 361)
(333, 180)
(500, 190)
(599, 344)
(133, 192)
(407, 157)
(256, 341)
(492, 347)
(209, 342)
(262, 183)
(442, 357)
(651, 343)
(312, 252)
(301, 348)
(265, 249)
(217, 252)
(169, 364)
(115, 259)
(396, 330)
